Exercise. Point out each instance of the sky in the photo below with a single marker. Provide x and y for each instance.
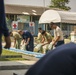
(72, 4)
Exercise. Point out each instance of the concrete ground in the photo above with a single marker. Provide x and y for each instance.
(5, 63)
(15, 67)
(13, 72)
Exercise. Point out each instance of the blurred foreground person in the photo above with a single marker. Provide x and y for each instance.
(58, 35)
(3, 28)
(61, 61)
(17, 39)
(28, 40)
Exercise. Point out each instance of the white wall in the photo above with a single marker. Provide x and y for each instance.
(28, 2)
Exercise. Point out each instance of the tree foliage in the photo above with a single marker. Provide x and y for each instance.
(61, 4)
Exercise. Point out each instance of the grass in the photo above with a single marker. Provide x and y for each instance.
(10, 53)
(12, 59)
(6, 52)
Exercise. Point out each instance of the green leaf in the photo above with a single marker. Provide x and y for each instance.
(61, 4)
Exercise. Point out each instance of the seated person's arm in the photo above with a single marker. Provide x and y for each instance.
(43, 39)
(47, 42)
(49, 39)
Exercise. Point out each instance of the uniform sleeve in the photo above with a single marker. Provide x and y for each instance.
(39, 36)
(3, 27)
(49, 36)
(58, 32)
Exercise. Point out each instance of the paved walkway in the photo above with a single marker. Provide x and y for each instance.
(9, 63)
(13, 72)
(16, 65)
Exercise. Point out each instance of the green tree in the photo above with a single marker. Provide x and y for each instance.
(61, 4)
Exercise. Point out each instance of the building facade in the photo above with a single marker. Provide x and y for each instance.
(24, 12)
(27, 13)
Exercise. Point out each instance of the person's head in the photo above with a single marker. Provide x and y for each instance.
(43, 33)
(40, 30)
(20, 32)
(53, 25)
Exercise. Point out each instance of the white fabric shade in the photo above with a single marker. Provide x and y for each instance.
(67, 17)
(57, 16)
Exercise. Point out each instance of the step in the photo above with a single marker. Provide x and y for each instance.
(13, 72)
(11, 56)
(16, 65)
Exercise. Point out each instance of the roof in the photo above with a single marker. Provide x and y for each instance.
(67, 17)
(58, 16)
(28, 10)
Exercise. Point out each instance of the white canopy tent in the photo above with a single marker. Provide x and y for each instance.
(58, 16)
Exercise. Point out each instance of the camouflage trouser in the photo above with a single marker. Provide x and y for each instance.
(45, 49)
(18, 43)
(0, 44)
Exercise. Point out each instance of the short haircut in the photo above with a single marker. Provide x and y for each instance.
(43, 32)
(40, 28)
(51, 24)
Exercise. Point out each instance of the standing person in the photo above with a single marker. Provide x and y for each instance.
(58, 35)
(28, 39)
(17, 39)
(61, 61)
(3, 28)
